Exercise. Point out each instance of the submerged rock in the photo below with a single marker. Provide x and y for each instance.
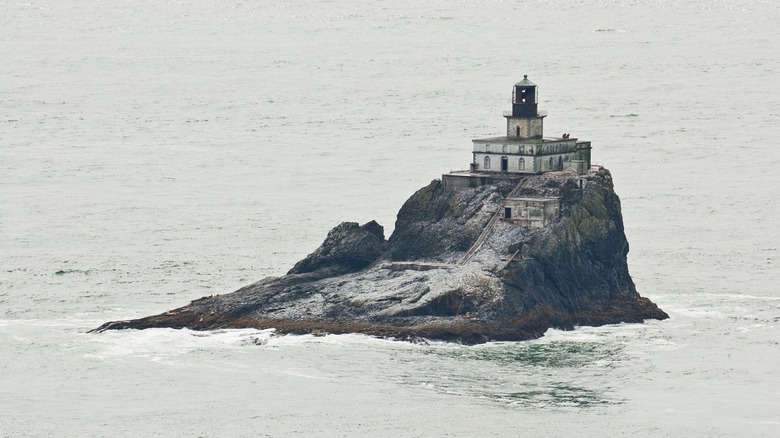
(454, 269)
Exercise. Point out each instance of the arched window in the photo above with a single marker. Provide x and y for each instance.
(487, 162)
(521, 164)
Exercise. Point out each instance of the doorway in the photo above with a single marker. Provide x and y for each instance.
(507, 213)
(504, 164)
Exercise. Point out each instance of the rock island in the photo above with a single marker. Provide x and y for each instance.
(530, 237)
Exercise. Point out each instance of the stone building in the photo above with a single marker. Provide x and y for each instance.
(531, 212)
(524, 149)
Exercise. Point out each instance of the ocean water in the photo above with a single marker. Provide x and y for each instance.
(153, 152)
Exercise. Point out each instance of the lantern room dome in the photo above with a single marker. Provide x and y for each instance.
(525, 82)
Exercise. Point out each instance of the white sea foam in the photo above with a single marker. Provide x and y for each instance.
(175, 342)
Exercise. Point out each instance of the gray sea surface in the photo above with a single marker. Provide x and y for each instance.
(153, 152)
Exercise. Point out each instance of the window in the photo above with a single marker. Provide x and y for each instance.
(487, 162)
(521, 164)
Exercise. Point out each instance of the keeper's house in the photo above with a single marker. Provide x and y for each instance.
(524, 150)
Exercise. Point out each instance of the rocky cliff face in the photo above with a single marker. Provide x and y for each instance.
(429, 280)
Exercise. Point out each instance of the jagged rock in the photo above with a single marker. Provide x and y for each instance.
(518, 283)
(348, 248)
(433, 225)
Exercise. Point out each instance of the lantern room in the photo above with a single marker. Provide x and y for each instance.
(524, 99)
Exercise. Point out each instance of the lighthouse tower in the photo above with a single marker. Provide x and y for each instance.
(524, 121)
(524, 150)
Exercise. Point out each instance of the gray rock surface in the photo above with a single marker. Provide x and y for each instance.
(348, 248)
(518, 283)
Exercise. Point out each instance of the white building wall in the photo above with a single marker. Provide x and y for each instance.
(550, 162)
(513, 162)
(549, 147)
(504, 148)
(536, 155)
(557, 147)
(533, 164)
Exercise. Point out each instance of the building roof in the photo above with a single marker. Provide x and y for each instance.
(510, 140)
(525, 82)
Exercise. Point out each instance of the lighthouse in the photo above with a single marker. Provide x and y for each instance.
(524, 149)
(524, 121)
